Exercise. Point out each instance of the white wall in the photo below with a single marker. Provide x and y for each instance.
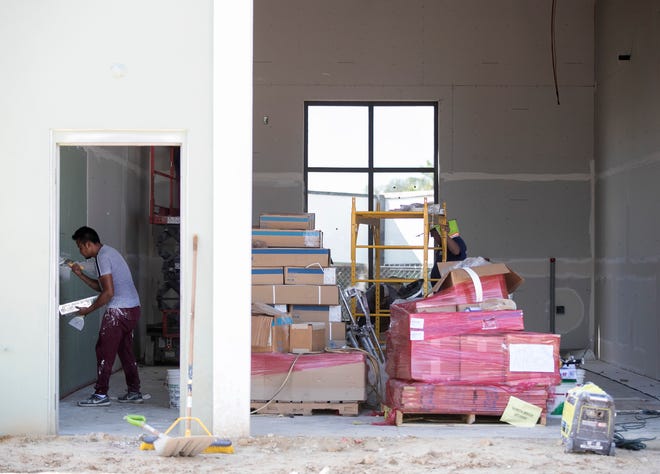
(57, 60)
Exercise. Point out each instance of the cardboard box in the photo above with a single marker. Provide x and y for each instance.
(301, 221)
(315, 313)
(460, 398)
(430, 360)
(313, 275)
(450, 278)
(330, 315)
(493, 304)
(406, 321)
(262, 335)
(440, 308)
(338, 332)
(296, 294)
(267, 275)
(269, 334)
(321, 377)
(281, 334)
(289, 238)
(307, 337)
(278, 310)
(482, 359)
(533, 357)
(290, 257)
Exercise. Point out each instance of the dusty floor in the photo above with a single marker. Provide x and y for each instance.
(97, 440)
(100, 453)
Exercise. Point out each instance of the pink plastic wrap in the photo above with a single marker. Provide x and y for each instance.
(420, 397)
(406, 321)
(493, 286)
(426, 346)
(491, 359)
(277, 363)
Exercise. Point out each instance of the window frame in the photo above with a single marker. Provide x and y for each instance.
(370, 169)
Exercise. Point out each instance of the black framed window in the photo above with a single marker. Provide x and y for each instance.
(384, 154)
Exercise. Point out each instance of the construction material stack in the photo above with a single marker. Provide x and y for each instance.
(464, 351)
(296, 316)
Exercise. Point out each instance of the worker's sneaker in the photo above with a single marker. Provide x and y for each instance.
(131, 397)
(95, 400)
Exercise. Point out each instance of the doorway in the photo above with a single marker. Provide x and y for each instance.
(131, 192)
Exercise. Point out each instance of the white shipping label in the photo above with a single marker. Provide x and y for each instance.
(416, 323)
(531, 358)
(416, 335)
(334, 314)
(330, 276)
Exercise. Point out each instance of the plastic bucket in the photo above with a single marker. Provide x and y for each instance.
(557, 396)
(173, 381)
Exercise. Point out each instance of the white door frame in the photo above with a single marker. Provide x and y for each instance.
(59, 138)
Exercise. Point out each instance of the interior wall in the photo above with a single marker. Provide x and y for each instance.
(118, 209)
(93, 66)
(77, 361)
(515, 166)
(111, 185)
(628, 172)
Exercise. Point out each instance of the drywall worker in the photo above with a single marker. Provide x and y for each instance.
(122, 312)
(456, 247)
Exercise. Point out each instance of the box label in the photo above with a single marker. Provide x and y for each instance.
(531, 358)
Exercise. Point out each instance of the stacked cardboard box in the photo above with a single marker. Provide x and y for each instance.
(296, 315)
(464, 350)
(270, 329)
(290, 267)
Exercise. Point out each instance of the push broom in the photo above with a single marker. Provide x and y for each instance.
(186, 445)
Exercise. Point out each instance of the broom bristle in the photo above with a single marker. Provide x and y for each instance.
(213, 449)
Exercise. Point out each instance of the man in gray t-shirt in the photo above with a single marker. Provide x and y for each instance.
(122, 312)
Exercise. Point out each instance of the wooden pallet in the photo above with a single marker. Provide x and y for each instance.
(306, 408)
(408, 419)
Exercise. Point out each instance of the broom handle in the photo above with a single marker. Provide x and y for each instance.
(191, 335)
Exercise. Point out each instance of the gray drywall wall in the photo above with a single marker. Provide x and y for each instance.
(118, 208)
(628, 171)
(76, 348)
(515, 165)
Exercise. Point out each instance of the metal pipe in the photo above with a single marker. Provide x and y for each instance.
(553, 307)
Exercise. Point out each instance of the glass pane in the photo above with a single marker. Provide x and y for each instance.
(330, 197)
(404, 136)
(352, 183)
(408, 186)
(338, 136)
(395, 191)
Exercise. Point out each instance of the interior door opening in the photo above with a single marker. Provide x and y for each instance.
(131, 195)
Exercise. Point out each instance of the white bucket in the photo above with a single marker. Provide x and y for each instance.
(173, 381)
(557, 396)
(579, 376)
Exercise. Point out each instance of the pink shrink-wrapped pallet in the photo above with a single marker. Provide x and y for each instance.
(426, 346)
(432, 349)
(422, 397)
(314, 377)
(514, 358)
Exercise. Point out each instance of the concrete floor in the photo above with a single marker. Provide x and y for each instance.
(631, 394)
